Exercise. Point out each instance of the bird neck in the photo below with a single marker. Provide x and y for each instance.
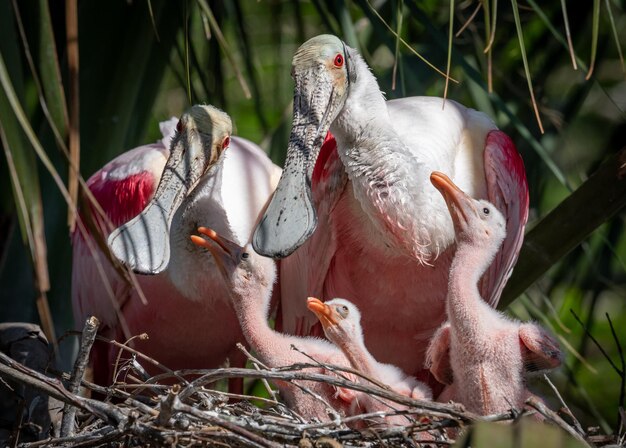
(193, 272)
(357, 354)
(364, 107)
(464, 303)
(252, 306)
(390, 183)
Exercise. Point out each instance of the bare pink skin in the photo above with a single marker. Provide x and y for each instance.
(482, 353)
(347, 257)
(184, 332)
(250, 280)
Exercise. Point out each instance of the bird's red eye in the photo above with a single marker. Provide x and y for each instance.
(179, 126)
(338, 60)
(225, 143)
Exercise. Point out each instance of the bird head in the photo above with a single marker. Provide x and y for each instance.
(240, 266)
(202, 135)
(340, 319)
(323, 71)
(476, 222)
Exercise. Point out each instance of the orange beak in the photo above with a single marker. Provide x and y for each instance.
(458, 202)
(324, 313)
(220, 248)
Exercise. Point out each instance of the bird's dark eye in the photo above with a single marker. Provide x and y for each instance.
(245, 255)
(342, 310)
(486, 211)
(179, 126)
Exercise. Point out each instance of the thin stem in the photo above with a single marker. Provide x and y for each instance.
(492, 26)
(399, 17)
(469, 20)
(409, 47)
(622, 371)
(568, 35)
(449, 62)
(594, 37)
(520, 36)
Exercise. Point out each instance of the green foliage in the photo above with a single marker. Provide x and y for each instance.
(523, 434)
(141, 62)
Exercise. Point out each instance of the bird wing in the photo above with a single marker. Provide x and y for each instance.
(507, 189)
(249, 177)
(122, 189)
(305, 272)
(540, 351)
(345, 394)
(438, 355)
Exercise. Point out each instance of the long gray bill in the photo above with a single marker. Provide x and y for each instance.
(290, 218)
(143, 243)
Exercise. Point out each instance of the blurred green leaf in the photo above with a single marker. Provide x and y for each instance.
(23, 170)
(25, 181)
(347, 26)
(522, 434)
(49, 69)
(119, 81)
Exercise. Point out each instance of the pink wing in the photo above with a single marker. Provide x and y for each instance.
(438, 355)
(540, 350)
(328, 184)
(507, 189)
(122, 188)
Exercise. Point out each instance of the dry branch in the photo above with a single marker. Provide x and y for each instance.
(552, 416)
(188, 414)
(86, 342)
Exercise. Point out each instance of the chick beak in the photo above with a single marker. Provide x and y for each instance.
(459, 203)
(324, 313)
(223, 250)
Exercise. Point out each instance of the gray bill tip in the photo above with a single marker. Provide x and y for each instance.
(289, 220)
(142, 244)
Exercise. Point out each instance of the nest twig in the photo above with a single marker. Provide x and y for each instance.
(186, 413)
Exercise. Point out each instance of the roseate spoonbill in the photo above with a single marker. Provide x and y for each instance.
(250, 278)
(188, 317)
(341, 321)
(370, 224)
(480, 350)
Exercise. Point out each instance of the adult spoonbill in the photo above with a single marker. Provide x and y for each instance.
(370, 225)
(250, 278)
(482, 352)
(188, 317)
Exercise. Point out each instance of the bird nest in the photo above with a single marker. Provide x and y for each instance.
(182, 408)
